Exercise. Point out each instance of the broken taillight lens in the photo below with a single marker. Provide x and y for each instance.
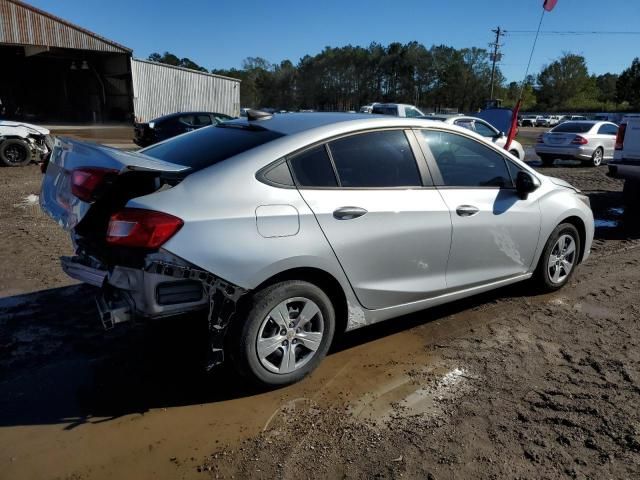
(134, 227)
(85, 182)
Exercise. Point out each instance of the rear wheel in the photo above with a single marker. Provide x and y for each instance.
(15, 153)
(559, 258)
(288, 331)
(514, 153)
(596, 158)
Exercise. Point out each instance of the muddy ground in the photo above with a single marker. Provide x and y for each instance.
(505, 385)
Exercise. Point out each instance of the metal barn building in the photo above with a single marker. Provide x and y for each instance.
(53, 70)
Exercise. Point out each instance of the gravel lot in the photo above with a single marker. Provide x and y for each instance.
(504, 385)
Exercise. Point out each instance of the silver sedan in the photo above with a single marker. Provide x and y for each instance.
(284, 231)
(588, 141)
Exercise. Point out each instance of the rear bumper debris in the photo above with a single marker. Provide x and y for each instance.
(74, 267)
(159, 290)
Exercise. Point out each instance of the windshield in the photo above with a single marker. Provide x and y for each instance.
(573, 127)
(210, 145)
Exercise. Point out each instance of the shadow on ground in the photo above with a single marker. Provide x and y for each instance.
(59, 367)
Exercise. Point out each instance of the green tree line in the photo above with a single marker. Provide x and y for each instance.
(345, 78)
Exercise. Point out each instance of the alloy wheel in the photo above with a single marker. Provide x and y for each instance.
(562, 259)
(597, 158)
(290, 335)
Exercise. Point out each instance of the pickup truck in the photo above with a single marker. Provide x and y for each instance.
(626, 160)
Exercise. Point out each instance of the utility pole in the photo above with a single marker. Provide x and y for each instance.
(495, 57)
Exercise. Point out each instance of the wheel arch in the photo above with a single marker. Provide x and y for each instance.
(582, 231)
(322, 279)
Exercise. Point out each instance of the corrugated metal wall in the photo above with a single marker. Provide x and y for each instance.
(160, 89)
(22, 24)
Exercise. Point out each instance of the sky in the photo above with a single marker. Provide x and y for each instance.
(221, 33)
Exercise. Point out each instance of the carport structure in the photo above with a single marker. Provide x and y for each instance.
(53, 70)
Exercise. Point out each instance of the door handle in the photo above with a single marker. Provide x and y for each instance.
(467, 210)
(348, 213)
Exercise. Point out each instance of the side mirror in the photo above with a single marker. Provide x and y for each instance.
(525, 184)
(502, 134)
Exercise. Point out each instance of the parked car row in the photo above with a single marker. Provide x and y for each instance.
(547, 120)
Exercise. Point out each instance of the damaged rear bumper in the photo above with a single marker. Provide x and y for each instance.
(162, 288)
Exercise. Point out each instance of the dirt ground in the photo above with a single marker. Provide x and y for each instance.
(505, 385)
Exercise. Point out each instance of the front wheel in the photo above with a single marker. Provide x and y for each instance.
(15, 153)
(287, 332)
(514, 153)
(559, 258)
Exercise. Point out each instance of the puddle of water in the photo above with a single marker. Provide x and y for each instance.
(600, 223)
(618, 211)
(391, 375)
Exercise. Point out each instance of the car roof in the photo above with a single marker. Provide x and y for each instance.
(296, 122)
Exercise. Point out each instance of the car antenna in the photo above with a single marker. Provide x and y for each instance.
(258, 115)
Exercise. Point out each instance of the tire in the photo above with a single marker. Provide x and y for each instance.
(263, 324)
(545, 276)
(547, 161)
(597, 158)
(514, 153)
(15, 153)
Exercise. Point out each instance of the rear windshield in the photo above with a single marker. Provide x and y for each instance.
(573, 127)
(210, 145)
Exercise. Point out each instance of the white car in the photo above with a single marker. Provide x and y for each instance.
(484, 129)
(22, 143)
(397, 110)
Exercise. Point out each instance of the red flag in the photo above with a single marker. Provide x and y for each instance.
(514, 125)
(549, 4)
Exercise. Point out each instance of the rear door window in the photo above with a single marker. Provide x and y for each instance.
(312, 168)
(464, 162)
(187, 119)
(484, 129)
(608, 129)
(208, 146)
(202, 119)
(412, 112)
(375, 159)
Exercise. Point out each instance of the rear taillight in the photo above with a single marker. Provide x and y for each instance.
(85, 182)
(134, 227)
(540, 139)
(622, 129)
(579, 140)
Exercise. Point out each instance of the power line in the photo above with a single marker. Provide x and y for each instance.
(571, 32)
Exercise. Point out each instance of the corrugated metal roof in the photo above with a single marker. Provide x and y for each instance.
(159, 89)
(23, 24)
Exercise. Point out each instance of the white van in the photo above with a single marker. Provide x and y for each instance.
(626, 159)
